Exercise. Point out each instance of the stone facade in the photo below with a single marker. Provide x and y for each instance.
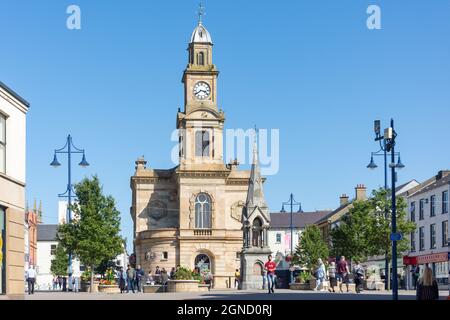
(192, 214)
(13, 110)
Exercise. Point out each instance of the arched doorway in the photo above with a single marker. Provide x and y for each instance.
(203, 262)
(257, 269)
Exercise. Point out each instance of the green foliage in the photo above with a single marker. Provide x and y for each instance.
(353, 237)
(93, 236)
(365, 230)
(60, 262)
(311, 248)
(304, 277)
(86, 275)
(186, 274)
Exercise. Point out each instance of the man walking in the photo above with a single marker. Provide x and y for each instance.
(139, 278)
(342, 271)
(131, 276)
(31, 279)
(270, 267)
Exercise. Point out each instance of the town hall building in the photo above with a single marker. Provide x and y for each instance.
(192, 215)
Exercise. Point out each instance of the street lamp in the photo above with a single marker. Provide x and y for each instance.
(292, 203)
(69, 149)
(387, 144)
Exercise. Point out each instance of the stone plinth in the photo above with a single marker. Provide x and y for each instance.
(183, 286)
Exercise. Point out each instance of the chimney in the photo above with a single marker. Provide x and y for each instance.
(360, 192)
(344, 199)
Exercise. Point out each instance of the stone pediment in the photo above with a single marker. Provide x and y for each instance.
(253, 212)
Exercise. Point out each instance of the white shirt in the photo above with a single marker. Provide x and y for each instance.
(31, 274)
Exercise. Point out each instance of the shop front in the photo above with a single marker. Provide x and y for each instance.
(438, 262)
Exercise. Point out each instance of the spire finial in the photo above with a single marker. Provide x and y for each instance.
(255, 146)
(201, 12)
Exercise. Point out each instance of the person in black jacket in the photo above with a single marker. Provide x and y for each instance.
(427, 288)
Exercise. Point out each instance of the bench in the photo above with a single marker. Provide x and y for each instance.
(154, 288)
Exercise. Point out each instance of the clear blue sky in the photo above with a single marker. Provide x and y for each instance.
(310, 68)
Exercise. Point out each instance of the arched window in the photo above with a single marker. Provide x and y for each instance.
(201, 59)
(203, 211)
(202, 143)
(257, 233)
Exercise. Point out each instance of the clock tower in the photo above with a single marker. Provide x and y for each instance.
(201, 122)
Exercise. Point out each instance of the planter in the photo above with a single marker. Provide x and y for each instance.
(108, 288)
(85, 287)
(153, 289)
(183, 286)
(299, 286)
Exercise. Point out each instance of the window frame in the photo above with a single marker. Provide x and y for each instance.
(433, 236)
(444, 233)
(3, 144)
(276, 238)
(53, 249)
(445, 202)
(421, 238)
(413, 241)
(200, 223)
(421, 209)
(433, 206)
(205, 149)
(413, 211)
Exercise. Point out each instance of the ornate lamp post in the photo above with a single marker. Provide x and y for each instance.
(292, 203)
(69, 149)
(387, 145)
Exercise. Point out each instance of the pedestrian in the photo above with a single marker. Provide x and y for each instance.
(55, 283)
(31, 279)
(122, 280)
(358, 274)
(150, 279)
(342, 271)
(140, 274)
(60, 282)
(264, 277)
(131, 276)
(415, 275)
(237, 279)
(76, 280)
(164, 276)
(172, 273)
(332, 276)
(270, 267)
(320, 275)
(427, 287)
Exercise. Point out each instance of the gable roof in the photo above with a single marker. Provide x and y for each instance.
(434, 185)
(47, 232)
(299, 220)
(334, 212)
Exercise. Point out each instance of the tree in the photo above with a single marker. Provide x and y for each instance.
(311, 248)
(60, 263)
(380, 200)
(93, 235)
(353, 237)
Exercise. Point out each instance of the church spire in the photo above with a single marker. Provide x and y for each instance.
(201, 12)
(255, 195)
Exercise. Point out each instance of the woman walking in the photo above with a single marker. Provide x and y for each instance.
(332, 276)
(320, 275)
(358, 274)
(427, 288)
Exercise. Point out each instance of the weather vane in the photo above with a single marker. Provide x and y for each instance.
(201, 12)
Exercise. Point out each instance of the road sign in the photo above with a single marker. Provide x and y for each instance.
(396, 236)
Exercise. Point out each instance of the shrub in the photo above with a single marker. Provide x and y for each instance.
(184, 274)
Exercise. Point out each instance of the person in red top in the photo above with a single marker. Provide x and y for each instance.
(342, 273)
(270, 267)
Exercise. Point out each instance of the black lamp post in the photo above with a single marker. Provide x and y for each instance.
(292, 203)
(387, 144)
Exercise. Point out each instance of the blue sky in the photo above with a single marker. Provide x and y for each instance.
(309, 68)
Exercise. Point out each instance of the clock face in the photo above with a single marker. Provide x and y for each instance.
(202, 90)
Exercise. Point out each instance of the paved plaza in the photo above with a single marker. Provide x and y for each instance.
(230, 295)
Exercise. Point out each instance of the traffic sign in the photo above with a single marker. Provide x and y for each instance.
(396, 236)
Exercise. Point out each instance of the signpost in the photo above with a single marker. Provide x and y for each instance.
(396, 236)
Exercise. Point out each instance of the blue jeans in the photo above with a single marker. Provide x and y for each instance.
(270, 281)
(130, 285)
(319, 282)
